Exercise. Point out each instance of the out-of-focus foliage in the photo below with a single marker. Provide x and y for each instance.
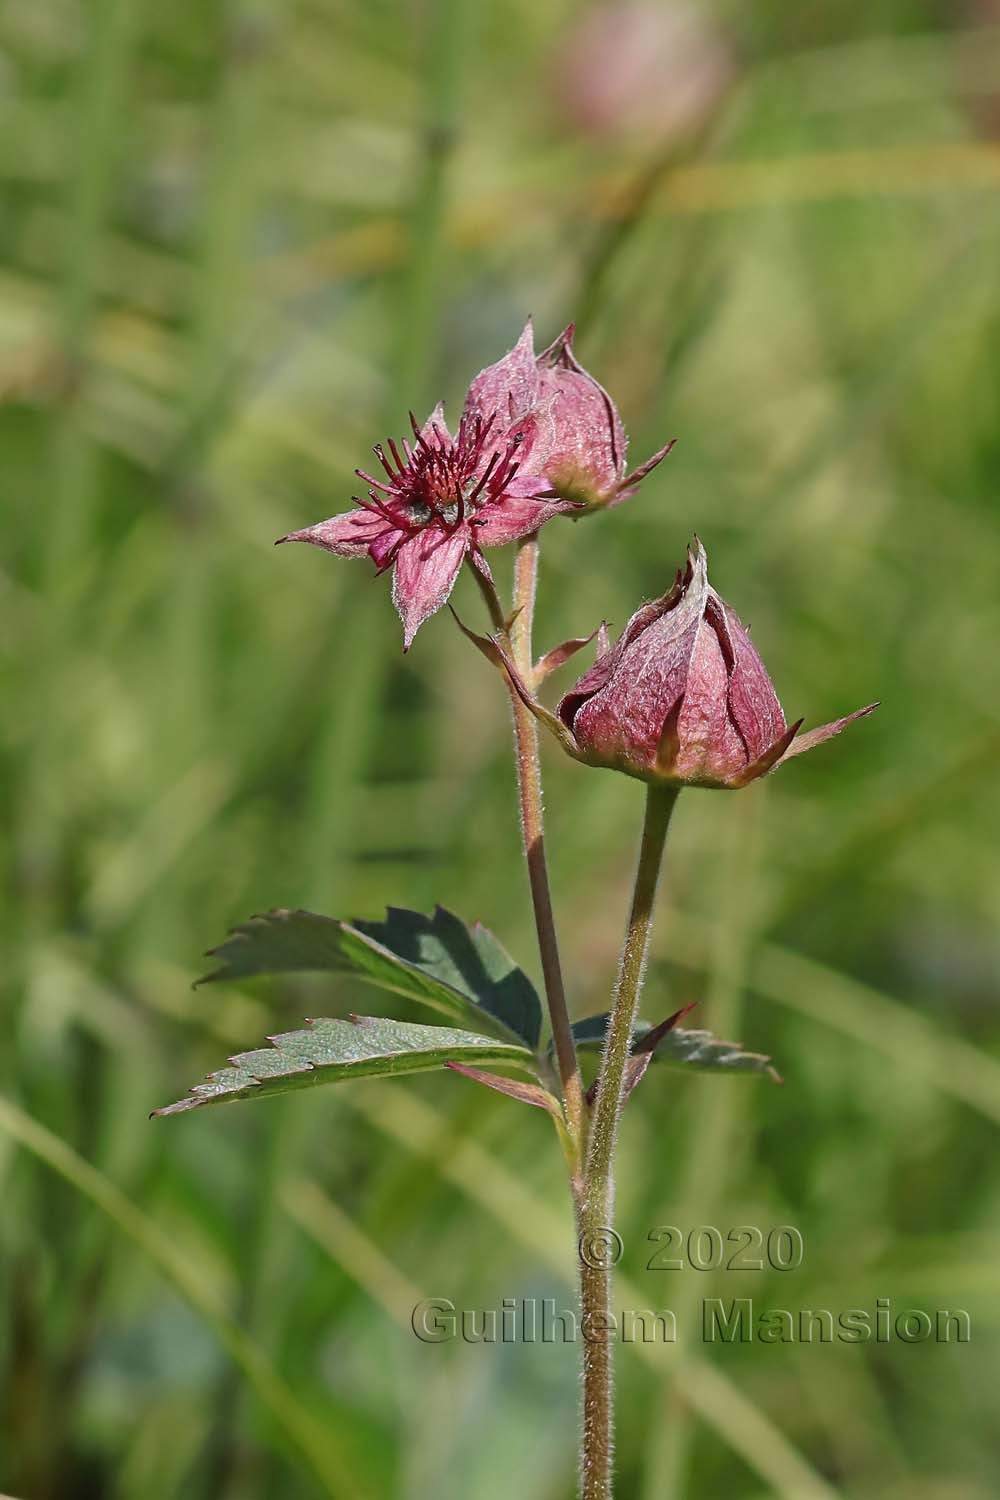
(238, 243)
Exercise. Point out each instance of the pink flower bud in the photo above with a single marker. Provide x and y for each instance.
(653, 70)
(585, 462)
(683, 696)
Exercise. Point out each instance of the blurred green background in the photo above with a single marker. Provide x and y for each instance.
(238, 241)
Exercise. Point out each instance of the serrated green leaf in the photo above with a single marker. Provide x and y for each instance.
(709, 1053)
(439, 961)
(278, 942)
(329, 1051)
(682, 1048)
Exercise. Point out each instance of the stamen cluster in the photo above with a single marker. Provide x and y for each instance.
(435, 482)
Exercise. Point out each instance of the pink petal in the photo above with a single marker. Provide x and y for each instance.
(560, 348)
(435, 430)
(513, 516)
(588, 452)
(424, 574)
(753, 703)
(814, 737)
(382, 546)
(608, 656)
(618, 710)
(347, 535)
(709, 745)
(509, 388)
(534, 432)
(532, 486)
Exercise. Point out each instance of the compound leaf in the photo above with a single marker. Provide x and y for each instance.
(681, 1048)
(461, 970)
(329, 1051)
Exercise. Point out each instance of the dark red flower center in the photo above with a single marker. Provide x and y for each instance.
(437, 481)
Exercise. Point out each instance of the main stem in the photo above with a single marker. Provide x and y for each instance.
(529, 783)
(529, 788)
(597, 1243)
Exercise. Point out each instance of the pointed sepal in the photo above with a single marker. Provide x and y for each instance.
(525, 1093)
(559, 655)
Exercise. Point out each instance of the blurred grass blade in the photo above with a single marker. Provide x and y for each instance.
(439, 961)
(312, 1442)
(331, 1051)
(346, 1243)
(860, 1011)
(532, 1221)
(750, 1432)
(97, 143)
(448, 33)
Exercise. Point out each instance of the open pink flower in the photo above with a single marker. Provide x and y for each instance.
(538, 437)
(683, 697)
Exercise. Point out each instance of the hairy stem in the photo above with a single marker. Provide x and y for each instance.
(529, 786)
(597, 1242)
(529, 781)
